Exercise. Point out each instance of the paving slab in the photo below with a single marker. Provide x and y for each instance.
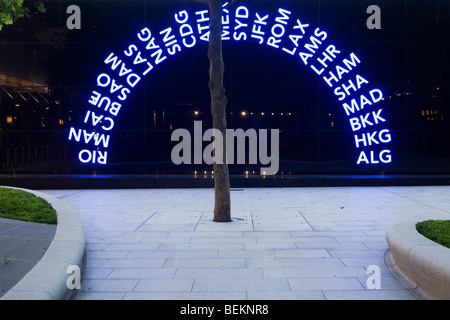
(283, 243)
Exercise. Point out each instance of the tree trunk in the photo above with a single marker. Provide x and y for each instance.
(222, 211)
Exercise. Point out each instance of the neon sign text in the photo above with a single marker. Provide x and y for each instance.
(295, 37)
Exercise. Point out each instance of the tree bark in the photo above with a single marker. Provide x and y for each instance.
(222, 211)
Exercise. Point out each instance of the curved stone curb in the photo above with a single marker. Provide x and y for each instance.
(423, 263)
(48, 278)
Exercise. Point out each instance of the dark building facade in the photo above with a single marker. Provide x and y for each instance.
(48, 75)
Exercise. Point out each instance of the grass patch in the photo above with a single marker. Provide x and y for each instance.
(436, 230)
(21, 205)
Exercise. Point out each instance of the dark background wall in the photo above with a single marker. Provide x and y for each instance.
(47, 74)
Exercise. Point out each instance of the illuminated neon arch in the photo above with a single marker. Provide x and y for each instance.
(295, 37)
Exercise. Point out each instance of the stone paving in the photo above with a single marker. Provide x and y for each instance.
(283, 243)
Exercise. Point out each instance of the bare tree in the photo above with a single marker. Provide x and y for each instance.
(222, 205)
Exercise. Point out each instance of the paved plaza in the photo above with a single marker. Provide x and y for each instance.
(283, 243)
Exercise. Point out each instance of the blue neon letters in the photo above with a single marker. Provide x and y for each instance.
(293, 36)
